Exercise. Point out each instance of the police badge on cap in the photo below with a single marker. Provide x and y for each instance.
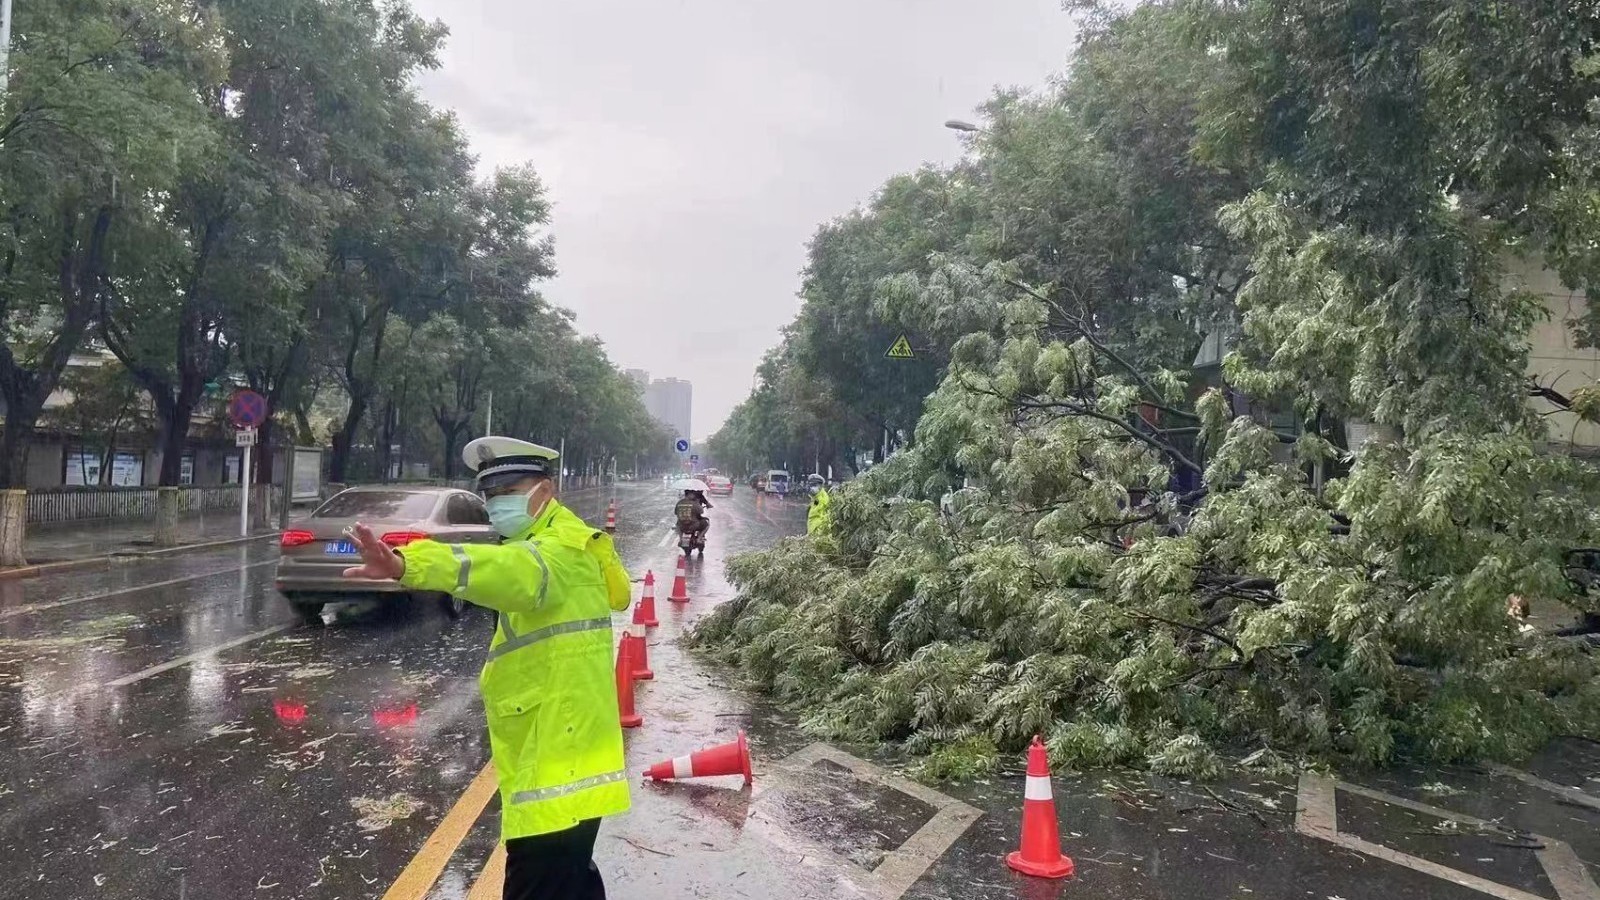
(501, 460)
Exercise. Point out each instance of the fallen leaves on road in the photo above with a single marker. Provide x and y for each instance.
(378, 814)
(102, 630)
(228, 728)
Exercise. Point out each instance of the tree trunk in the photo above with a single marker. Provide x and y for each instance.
(263, 452)
(344, 439)
(175, 414)
(13, 522)
(386, 439)
(80, 269)
(450, 432)
(16, 440)
(359, 389)
(166, 531)
(106, 460)
(302, 424)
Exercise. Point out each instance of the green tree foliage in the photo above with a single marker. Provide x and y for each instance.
(791, 419)
(1089, 542)
(253, 192)
(100, 116)
(105, 404)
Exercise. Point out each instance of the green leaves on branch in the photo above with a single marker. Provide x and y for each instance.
(1158, 567)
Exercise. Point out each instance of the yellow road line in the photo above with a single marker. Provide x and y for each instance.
(491, 881)
(419, 875)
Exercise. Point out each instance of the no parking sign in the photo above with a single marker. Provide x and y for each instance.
(247, 409)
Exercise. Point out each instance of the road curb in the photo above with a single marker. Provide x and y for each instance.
(91, 561)
(87, 562)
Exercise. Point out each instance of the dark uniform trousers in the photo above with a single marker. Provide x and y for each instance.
(558, 866)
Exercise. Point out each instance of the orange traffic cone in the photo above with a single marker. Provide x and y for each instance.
(630, 716)
(1040, 855)
(680, 584)
(732, 758)
(641, 653)
(611, 517)
(644, 612)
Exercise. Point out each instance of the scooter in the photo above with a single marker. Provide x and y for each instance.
(690, 541)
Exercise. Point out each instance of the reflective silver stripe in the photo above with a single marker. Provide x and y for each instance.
(512, 639)
(562, 790)
(544, 582)
(466, 566)
(547, 632)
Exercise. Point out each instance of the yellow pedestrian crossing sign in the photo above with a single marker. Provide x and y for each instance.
(901, 349)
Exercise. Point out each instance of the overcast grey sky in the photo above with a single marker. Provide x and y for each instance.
(691, 147)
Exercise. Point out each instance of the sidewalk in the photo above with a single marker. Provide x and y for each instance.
(60, 545)
(95, 540)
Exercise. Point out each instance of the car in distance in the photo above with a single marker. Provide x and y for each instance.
(718, 484)
(315, 551)
(777, 482)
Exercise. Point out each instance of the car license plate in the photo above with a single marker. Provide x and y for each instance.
(340, 548)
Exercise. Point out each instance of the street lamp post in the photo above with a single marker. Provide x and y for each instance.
(969, 128)
(5, 48)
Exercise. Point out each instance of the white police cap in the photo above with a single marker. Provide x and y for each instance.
(500, 460)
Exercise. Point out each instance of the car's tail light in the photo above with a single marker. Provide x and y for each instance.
(395, 717)
(289, 712)
(296, 538)
(402, 538)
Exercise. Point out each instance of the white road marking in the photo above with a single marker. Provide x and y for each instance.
(899, 868)
(1317, 815)
(54, 604)
(1571, 794)
(171, 664)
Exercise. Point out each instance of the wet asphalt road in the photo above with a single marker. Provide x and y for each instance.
(168, 730)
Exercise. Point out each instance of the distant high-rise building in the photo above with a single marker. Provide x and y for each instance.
(639, 377)
(670, 401)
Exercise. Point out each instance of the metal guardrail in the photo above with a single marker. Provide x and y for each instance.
(52, 506)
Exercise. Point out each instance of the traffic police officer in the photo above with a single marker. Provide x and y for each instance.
(548, 684)
(817, 514)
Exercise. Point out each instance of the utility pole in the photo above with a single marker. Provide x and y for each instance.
(5, 49)
(488, 418)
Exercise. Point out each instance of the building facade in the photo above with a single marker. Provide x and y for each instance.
(1554, 358)
(671, 402)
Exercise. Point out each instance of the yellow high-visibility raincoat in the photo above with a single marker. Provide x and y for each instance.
(817, 515)
(548, 686)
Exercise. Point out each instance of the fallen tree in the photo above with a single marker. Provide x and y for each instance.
(1158, 566)
(1003, 578)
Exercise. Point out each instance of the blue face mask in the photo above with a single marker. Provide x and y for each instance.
(508, 513)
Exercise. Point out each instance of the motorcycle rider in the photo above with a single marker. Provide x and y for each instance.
(691, 514)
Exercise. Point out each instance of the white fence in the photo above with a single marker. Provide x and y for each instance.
(51, 506)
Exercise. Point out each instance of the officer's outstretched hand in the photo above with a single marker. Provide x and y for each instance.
(378, 560)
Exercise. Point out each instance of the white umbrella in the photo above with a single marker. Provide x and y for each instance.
(692, 484)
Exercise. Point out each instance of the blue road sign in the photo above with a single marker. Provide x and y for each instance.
(683, 445)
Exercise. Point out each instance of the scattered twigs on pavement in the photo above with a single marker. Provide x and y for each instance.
(640, 846)
(1238, 807)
